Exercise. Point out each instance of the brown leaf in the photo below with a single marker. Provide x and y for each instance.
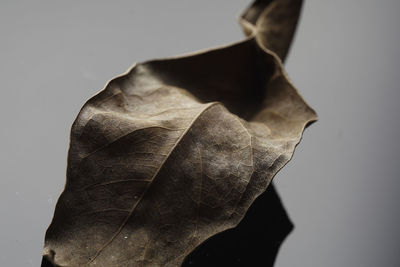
(176, 150)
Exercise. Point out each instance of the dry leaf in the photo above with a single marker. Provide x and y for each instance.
(176, 150)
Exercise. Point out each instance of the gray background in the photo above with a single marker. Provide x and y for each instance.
(341, 189)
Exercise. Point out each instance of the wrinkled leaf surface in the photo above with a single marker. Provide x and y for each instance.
(176, 150)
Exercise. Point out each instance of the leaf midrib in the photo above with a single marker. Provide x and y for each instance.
(208, 106)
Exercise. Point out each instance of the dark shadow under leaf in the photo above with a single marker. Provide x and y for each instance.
(254, 242)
